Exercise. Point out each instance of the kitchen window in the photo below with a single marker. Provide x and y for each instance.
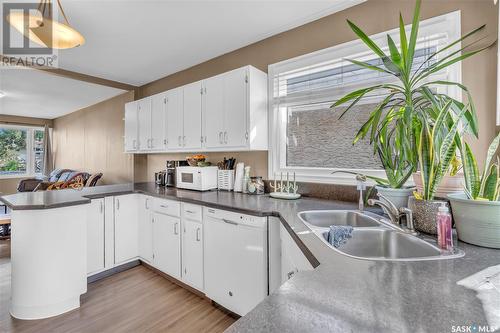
(21, 151)
(307, 137)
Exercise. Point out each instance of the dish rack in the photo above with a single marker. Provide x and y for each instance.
(225, 180)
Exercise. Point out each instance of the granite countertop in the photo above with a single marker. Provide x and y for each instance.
(341, 294)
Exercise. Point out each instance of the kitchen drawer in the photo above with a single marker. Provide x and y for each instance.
(192, 212)
(167, 207)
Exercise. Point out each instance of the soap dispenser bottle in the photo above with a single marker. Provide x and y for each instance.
(445, 234)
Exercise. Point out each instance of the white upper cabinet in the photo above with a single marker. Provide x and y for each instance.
(191, 138)
(236, 108)
(227, 112)
(174, 121)
(145, 124)
(213, 111)
(131, 126)
(158, 122)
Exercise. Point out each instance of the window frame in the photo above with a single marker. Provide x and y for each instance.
(449, 23)
(30, 151)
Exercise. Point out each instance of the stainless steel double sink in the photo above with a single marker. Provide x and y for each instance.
(374, 239)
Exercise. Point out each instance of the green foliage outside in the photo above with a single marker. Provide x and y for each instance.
(12, 150)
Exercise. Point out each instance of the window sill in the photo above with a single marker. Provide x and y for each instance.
(17, 176)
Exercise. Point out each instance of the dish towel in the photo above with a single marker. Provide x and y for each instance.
(338, 234)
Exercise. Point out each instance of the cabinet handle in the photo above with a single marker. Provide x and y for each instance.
(184, 141)
(225, 137)
(164, 206)
(198, 234)
(290, 274)
(220, 137)
(190, 212)
(146, 203)
(229, 222)
(179, 140)
(176, 232)
(101, 207)
(117, 204)
(134, 144)
(151, 142)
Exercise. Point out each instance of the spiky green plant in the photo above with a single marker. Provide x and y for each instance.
(409, 99)
(487, 185)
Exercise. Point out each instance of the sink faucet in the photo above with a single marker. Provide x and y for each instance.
(361, 186)
(388, 207)
(395, 214)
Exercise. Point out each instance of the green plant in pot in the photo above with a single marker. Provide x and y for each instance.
(438, 138)
(408, 95)
(477, 210)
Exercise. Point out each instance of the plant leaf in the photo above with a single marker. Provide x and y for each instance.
(489, 156)
(364, 37)
(413, 36)
(491, 184)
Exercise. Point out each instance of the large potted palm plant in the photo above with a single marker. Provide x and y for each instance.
(477, 210)
(410, 92)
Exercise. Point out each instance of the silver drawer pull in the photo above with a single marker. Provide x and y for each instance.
(190, 212)
(176, 232)
(229, 222)
(164, 206)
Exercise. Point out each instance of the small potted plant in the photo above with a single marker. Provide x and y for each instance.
(476, 211)
(394, 152)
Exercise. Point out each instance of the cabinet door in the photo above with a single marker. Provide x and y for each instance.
(235, 264)
(235, 108)
(145, 124)
(131, 126)
(192, 253)
(158, 122)
(213, 111)
(192, 116)
(175, 121)
(95, 236)
(167, 244)
(126, 227)
(145, 228)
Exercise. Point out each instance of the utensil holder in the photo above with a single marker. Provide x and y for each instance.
(225, 180)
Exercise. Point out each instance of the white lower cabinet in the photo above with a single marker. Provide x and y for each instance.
(235, 259)
(167, 244)
(145, 232)
(192, 246)
(95, 236)
(126, 228)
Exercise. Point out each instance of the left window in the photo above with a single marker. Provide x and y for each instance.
(21, 151)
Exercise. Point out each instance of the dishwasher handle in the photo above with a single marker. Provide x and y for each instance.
(229, 222)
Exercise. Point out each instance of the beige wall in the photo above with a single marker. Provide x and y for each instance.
(374, 16)
(257, 160)
(91, 140)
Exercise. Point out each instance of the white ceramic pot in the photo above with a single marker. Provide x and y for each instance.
(449, 184)
(398, 196)
(477, 221)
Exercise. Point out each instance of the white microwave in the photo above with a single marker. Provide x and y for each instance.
(196, 178)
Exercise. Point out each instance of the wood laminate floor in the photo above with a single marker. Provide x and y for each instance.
(137, 300)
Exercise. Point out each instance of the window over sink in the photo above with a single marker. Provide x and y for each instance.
(311, 139)
(21, 151)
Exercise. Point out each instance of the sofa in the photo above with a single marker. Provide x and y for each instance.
(58, 179)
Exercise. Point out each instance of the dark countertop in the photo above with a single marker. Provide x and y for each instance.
(342, 294)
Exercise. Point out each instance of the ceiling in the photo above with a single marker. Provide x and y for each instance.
(139, 41)
(33, 93)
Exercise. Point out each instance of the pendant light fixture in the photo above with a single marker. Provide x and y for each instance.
(45, 31)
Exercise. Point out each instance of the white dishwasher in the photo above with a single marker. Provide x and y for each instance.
(235, 255)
